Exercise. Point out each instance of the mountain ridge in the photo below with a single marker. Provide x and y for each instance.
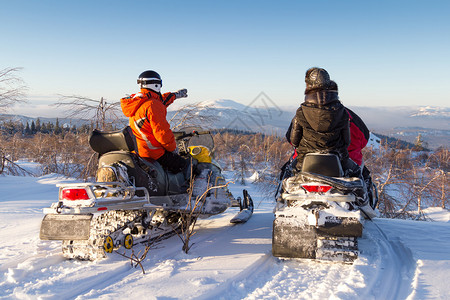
(263, 115)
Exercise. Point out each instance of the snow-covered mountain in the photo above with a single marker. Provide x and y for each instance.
(404, 123)
(259, 116)
(435, 112)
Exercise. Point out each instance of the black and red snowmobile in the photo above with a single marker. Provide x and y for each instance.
(134, 200)
(319, 211)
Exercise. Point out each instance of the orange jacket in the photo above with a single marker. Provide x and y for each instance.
(147, 111)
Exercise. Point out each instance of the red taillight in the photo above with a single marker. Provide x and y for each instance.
(74, 194)
(317, 188)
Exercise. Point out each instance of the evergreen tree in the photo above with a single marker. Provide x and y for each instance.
(58, 129)
(9, 127)
(20, 128)
(28, 129)
(38, 125)
(419, 141)
(44, 128)
(49, 127)
(420, 144)
(33, 127)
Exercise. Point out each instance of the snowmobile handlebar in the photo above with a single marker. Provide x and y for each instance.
(181, 135)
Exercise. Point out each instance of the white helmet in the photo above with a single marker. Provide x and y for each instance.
(150, 80)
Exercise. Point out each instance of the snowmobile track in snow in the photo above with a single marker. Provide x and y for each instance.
(50, 261)
(384, 270)
(395, 266)
(391, 263)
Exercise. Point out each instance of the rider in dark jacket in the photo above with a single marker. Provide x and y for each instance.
(321, 123)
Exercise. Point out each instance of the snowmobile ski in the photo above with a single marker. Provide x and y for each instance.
(246, 212)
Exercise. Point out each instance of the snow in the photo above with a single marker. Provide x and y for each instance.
(400, 259)
(374, 142)
(431, 111)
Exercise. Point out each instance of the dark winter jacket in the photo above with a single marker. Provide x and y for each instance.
(320, 126)
(359, 134)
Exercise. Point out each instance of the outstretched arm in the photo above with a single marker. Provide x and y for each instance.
(169, 98)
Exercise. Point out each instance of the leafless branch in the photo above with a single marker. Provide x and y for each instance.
(188, 115)
(194, 207)
(137, 259)
(104, 113)
(12, 88)
(12, 168)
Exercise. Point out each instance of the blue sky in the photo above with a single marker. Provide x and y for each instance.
(381, 53)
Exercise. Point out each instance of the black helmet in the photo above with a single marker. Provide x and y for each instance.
(317, 79)
(150, 80)
(333, 86)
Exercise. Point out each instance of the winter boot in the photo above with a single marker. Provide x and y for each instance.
(115, 172)
(369, 185)
(106, 174)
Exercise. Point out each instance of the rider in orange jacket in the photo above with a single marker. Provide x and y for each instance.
(147, 111)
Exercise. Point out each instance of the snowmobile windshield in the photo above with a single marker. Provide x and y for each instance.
(204, 138)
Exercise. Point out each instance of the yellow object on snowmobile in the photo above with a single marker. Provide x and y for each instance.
(128, 241)
(108, 244)
(200, 153)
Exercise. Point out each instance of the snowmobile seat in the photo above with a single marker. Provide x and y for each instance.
(115, 156)
(107, 141)
(326, 164)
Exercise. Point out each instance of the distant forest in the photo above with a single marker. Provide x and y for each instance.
(408, 178)
(9, 127)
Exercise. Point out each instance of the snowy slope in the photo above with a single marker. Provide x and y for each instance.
(399, 259)
(374, 142)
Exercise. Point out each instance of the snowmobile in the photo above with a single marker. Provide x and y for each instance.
(320, 210)
(134, 200)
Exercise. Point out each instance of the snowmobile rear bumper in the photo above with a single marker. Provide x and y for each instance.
(65, 227)
(293, 239)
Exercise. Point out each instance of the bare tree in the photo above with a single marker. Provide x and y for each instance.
(11, 168)
(192, 115)
(104, 113)
(137, 259)
(409, 181)
(12, 88)
(193, 210)
(189, 219)
(444, 186)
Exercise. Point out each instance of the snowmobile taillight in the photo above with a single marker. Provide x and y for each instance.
(317, 188)
(74, 194)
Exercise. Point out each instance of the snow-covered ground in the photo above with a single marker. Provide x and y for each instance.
(399, 259)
